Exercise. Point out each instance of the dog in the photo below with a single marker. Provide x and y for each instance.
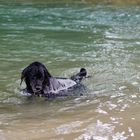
(41, 83)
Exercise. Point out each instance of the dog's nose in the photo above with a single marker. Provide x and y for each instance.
(38, 88)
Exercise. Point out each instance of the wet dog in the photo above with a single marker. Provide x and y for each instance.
(40, 82)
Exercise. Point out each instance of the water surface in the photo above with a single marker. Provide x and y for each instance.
(103, 39)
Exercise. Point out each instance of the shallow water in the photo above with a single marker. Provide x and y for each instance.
(103, 39)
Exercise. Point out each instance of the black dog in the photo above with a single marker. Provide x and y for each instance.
(40, 82)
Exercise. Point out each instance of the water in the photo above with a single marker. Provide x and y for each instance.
(103, 39)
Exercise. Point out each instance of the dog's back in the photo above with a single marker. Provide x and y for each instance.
(65, 86)
(57, 84)
(61, 87)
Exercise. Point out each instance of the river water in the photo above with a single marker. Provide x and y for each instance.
(103, 39)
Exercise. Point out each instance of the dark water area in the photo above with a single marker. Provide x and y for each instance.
(105, 39)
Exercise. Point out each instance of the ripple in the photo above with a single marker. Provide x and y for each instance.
(67, 128)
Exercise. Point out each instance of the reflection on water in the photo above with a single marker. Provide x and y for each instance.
(103, 39)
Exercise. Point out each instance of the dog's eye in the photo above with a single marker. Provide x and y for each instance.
(36, 78)
(39, 77)
(33, 78)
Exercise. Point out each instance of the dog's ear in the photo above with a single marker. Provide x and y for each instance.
(24, 74)
(47, 75)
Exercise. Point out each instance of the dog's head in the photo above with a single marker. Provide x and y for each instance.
(36, 77)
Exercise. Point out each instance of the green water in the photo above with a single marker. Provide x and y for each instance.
(103, 39)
